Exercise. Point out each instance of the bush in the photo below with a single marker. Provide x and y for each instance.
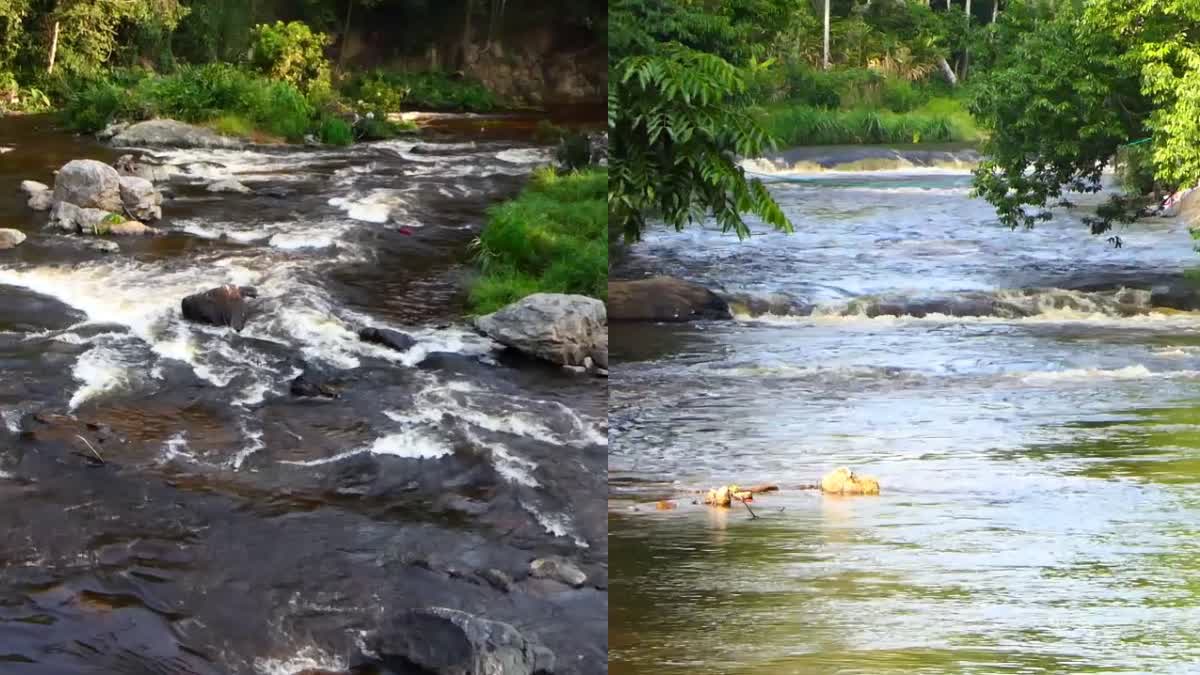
(231, 99)
(552, 238)
(335, 131)
(293, 53)
(428, 91)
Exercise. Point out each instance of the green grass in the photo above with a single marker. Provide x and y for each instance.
(390, 91)
(939, 120)
(552, 238)
(335, 131)
(226, 98)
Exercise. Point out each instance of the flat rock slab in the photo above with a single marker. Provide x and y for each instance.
(174, 134)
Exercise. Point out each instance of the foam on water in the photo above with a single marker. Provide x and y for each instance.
(100, 370)
(305, 658)
(374, 207)
(1133, 372)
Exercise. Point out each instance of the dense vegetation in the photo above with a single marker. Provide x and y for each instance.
(279, 60)
(552, 238)
(1083, 88)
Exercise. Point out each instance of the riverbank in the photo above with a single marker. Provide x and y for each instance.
(939, 120)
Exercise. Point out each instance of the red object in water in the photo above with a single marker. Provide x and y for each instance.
(405, 231)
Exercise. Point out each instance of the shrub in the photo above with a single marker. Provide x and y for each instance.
(335, 131)
(384, 90)
(95, 106)
(293, 53)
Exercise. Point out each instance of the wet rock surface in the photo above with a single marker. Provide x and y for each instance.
(170, 133)
(234, 528)
(561, 329)
(224, 306)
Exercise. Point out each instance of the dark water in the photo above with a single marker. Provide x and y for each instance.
(234, 528)
(1032, 416)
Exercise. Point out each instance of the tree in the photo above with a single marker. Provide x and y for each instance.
(1075, 91)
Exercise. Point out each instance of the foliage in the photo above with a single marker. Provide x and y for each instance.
(192, 94)
(676, 119)
(388, 90)
(1059, 104)
(335, 131)
(552, 238)
(735, 30)
(293, 53)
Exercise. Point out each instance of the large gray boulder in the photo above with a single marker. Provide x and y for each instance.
(445, 641)
(562, 329)
(88, 184)
(141, 199)
(171, 133)
(10, 238)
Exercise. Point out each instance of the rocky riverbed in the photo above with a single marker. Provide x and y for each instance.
(299, 490)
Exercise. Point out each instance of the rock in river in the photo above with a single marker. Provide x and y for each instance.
(224, 306)
(558, 569)
(173, 134)
(41, 197)
(443, 641)
(22, 310)
(10, 238)
(393, 339)
(663, 299)
(228, 185)
(140, 197)
(88, 184)
(562, 329)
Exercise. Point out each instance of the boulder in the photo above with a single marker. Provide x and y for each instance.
(23, 310)
(70, 218)
(87, 183)
(41, 201)
(663, 299)
(562, 329)
(558, 569)
(228, 185)
(843, 481)
(141, 199)
(170, 133)
(442, 641)
(11, 238)
(223, 306)
(392, 339)
(32, 187)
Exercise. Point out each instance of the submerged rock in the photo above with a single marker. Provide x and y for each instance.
(228, 185)
(87, 183)
(312, 386)
(173, 134)
(393, 339)
(562, 329)
(663, 299)
(224, 306)
(11, 238)
(843, 481)
(445, 641)
(140, 198)
(558, 569)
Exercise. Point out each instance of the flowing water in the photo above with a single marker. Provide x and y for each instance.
(1032, 417)
(232, 527)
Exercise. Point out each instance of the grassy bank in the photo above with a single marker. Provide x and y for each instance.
(938, 121)
(552, 238)
(228, 99)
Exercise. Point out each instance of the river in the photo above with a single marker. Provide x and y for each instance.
(234, 528)
(1032, 417)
